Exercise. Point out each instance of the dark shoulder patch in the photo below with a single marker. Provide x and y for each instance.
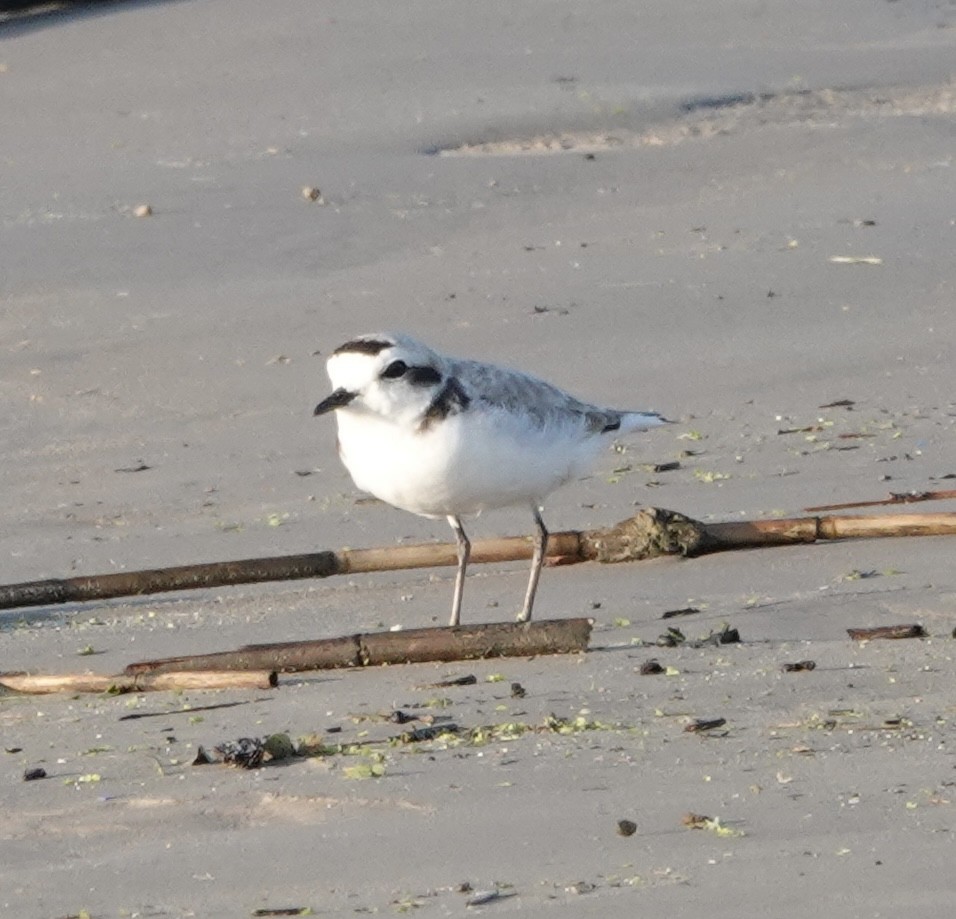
(450, 400)
(370, 346)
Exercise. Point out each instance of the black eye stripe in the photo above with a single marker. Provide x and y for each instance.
(416, 375)
(394, 370)
(423, 376)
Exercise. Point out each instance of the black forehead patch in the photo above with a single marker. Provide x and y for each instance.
(370, 346)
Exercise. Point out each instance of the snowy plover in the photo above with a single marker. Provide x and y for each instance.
(443, 437)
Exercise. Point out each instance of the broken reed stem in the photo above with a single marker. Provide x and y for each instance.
(906, 497)
(41, 683)
(650, 533)
(282, 568)
(372, 649)
(750, 534)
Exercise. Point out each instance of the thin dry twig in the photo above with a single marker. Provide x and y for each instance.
(904, 497)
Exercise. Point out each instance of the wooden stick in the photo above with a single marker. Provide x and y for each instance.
(650, 533)
(147, 682)
(896, 497)
(495, 639)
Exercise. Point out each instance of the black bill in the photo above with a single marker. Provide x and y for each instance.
(338, 399)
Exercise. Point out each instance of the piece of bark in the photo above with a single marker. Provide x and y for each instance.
(469, 642)
(799, 666)
(468, 680)
(705, 724)
(686, 611)
(40, 683)
(651, 533)
(887, 631)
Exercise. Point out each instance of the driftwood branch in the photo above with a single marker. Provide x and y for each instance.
(495, 639)
(651, 533)
(145, 682)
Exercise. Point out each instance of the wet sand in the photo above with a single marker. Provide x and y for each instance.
(734, 214)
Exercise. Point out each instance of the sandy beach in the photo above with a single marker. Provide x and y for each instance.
(740, 214)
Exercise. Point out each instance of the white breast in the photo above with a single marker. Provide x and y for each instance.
(463, 464)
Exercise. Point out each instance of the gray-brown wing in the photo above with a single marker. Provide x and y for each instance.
(534, 401)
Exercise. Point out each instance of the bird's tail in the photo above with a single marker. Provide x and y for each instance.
(641, 421)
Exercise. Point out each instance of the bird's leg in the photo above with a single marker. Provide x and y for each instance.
(464, 551)
(537, 560)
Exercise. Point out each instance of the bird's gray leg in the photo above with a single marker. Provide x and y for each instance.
(537, 560)
(464, 551)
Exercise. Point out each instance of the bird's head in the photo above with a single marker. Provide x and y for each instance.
(384, 374)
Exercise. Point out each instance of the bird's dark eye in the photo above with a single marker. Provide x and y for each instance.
(395, 370)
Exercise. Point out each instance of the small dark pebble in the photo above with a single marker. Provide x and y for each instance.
(202, 758)
(649, 668)
(667, 467)
(626, 827)
(799, 665)
(429, 732)
(705, 724)
(468, 680)
(399, 717)
(518, 691)
(280, 911)
(31, 775)
(671, 638)
(246, 752)
(728, 636)
(674, 637)
(480, 897)
(139, 467)
(13, 749)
